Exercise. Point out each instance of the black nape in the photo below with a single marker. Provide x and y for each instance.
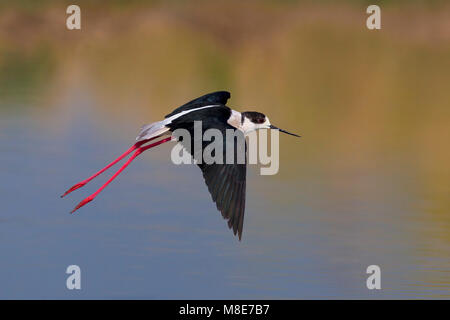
(253, 116)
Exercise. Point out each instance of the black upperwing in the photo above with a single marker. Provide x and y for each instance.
(218, 97)
(226, 182)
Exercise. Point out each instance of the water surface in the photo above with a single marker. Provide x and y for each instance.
(367, 184)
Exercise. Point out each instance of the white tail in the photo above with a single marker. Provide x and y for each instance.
(152, 130)
(155, 129)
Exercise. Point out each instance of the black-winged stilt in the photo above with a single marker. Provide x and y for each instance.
(226, 181)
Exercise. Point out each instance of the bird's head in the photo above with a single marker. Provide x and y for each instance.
(252, 120)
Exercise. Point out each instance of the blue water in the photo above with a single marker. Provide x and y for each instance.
(154, 232)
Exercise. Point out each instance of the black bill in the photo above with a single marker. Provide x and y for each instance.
(281, 130)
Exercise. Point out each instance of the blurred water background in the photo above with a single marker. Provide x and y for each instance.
(367, 184)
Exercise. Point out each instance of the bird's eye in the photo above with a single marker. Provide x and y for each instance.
(259, 121)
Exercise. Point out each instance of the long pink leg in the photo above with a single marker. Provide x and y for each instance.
(135, 154)
(82, 183)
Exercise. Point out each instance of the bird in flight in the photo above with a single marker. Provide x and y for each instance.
(226, 182)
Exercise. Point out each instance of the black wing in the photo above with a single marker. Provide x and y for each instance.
(226, 182)
(218, 97)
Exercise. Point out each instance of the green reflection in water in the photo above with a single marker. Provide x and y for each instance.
(24, 74)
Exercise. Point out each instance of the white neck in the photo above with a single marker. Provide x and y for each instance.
(235, 120)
